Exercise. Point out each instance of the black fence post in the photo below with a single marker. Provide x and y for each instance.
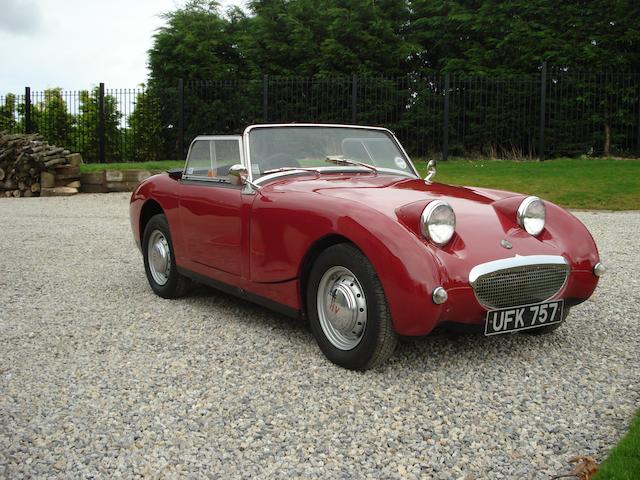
(638, 139)
(27, 110)
(354, 99)
(180, 118)
(265, 98)
(445, 123)
(101, 139)
(543, 104)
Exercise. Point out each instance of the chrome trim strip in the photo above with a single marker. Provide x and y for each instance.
(514, 262)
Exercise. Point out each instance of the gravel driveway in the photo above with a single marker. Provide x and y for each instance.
(99, 377)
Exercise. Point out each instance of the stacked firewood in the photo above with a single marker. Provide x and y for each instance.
(30, 167)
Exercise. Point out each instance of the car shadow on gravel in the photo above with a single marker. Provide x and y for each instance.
(443, 347)
(248, 312)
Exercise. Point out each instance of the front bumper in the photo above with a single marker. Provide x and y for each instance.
(468, 305)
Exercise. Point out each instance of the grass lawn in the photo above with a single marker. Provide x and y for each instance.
(623, 462)
(608, 184)
(160, 165)
(572, 183)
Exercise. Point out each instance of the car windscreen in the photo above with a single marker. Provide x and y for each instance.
(281, 147)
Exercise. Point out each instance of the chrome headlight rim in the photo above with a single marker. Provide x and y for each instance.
(522, 217)
(425, 222)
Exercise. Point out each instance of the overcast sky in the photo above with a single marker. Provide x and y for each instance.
(75, 44)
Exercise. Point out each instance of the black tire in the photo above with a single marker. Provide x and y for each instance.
(379, 340)
(176, 285)
(544, 330)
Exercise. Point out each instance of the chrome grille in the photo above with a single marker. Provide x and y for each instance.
(520, 285)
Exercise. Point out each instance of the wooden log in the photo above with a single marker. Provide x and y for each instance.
(136, 175)
(74, 184)
(58, 192)
(27, 193)
(1, 174)
(8, 184)
(75, 159)
(35, 188)
(54, 151)
(64, 172)
(93, 178)
(47, 180)
(54, 161)
(8, 194)
(121, 186)
(91, 188)
(17, 193)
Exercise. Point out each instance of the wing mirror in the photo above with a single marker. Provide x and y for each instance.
(238, 175)
(431, 170)
(175, 173)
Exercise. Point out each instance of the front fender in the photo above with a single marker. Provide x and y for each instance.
(284, 227)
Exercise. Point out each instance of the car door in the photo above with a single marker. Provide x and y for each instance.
(210, 206)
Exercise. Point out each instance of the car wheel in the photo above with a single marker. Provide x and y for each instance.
(159, 260)
(348, 311)
(548, 328)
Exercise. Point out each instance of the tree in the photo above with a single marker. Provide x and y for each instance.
(479, 39)
(493, 36)
(199, 45)
(195, 44)
(146, 127)
(87, 127)
(50, 118)
(8, 113)
(327, 37)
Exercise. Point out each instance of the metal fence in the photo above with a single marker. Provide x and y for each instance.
(551, 113)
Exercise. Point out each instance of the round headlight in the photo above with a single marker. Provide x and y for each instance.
(438, 222)
(531, 215)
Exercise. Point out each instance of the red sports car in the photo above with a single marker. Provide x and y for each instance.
(332, 223)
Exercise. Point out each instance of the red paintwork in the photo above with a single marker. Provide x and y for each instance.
(258, 242)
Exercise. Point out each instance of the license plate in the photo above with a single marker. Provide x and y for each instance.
(523, 318)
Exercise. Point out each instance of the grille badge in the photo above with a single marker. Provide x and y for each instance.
(506, 244)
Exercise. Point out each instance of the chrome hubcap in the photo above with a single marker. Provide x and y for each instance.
(159, 257)
(342, 308)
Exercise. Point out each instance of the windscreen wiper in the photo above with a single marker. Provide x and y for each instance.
(341, 160)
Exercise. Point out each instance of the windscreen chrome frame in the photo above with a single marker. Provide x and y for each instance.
(328, 169)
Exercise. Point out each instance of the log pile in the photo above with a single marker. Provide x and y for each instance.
(30, 167)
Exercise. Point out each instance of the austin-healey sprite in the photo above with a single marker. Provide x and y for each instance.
(332, 223)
